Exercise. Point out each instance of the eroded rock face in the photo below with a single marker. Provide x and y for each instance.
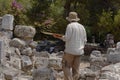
(97, 61)
(27, 51)
(113, 54)
(87, 74)
(7, 22)
(33, 44)
(10, 73)
(111, 72)
(43, 74)
(24, 32)
(17, 43)
(26, 63)
(4, 47)
(118, 45)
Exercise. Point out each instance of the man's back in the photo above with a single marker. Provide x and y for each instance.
(75, 38)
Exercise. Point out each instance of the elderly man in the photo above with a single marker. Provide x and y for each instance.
(75, 39)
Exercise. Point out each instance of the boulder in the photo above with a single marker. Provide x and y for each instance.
(24, 32)
(111, 72)
(17, 43)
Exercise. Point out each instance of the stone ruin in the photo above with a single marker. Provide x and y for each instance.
(19, 59)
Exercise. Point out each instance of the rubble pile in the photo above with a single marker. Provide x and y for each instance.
(19, 59)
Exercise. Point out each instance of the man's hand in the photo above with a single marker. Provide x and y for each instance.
(57, 35)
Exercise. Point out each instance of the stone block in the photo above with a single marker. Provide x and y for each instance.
(2, 51)
(7, 22)
(26, 61)
(24, 32)
(43, 74)
(15, 62)
(10, 74)
(90, 78)
(55, 63)
(41, 62)
(27, 51)
(17, 43)
(42, 54)
(0, 22)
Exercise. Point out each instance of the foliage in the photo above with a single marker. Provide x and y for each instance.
(108, 23)
(116, 29)
(57, 10)
(16, 8)
(39, 11)
(4, 6)
(105, 24)
(83, 13)
(98, 16)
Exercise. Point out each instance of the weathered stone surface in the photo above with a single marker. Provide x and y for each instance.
(111, 72)
(10, 73)
(60, 54)
(15, 52)
(87, 73)
(22, 77)
(7, 22)
(42, 54)
(90, 78)
(33, 44)
(113, 54)
(4, 41)
(55, 62)
(26, 63)
(17, 43)
(112, 68)
(118, 45)
(24, 32)
(43, 74)
(96, 56)
(41, 62)
(27, 51)
(59, 75)
(15, 62)
(2, 50)
(8, 34)
(110, 76)
(97, 61)
(0, 22)
(113, 57)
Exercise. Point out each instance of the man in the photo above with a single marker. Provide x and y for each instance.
(75, 39)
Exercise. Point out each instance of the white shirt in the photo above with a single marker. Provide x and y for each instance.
(75, 38)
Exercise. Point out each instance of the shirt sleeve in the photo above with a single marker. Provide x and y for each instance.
(68, 34)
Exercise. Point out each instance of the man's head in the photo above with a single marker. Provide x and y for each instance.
(72, 17)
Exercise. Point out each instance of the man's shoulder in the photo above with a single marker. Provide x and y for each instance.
(74, 23)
